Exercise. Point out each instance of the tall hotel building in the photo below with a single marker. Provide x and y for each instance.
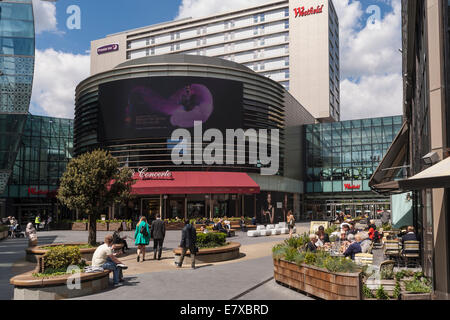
(295, 43)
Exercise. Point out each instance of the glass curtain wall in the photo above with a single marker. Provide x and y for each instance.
(45, 150)
(342, 156)
(16, 78)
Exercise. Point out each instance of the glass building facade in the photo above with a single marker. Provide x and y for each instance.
(45, 149)
(340, 160)
(16, 79)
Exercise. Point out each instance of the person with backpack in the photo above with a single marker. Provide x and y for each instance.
(142, 236)
(188, 241)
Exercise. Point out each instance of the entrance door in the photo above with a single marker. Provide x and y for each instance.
(150, 208)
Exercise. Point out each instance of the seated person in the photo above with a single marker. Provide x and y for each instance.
(345, 228)
(354, 248)
(221, 228)
(371, 224)
(203, 230)
(353, 230)
(351, 238)
(311, 245)
(254, 221)
(118, 239)
(410, 236)
(243, 225)
(343, 237)
(374, 235)
(322, 235)
(104, 257)
(365, 242)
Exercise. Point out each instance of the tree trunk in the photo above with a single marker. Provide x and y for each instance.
(92, 229)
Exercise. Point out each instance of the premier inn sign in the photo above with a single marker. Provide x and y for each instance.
(302, 12)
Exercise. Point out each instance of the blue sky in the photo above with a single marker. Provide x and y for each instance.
(370, 61)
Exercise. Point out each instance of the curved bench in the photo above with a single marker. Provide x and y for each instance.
(34, 252)
(27, 287)
(225, 253)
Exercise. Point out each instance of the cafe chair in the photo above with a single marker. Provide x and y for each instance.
(411, 253)
(392, 250)
(364, 259)
(387, 266)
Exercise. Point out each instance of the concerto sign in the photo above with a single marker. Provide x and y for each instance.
(108, 48)
(143, 174)
(302, 12)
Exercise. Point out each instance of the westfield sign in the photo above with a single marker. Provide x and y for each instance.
(302, 12)
(350, 187)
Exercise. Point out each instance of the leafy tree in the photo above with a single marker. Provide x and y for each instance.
(93, 182)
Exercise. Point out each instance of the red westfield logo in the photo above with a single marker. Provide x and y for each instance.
(301, 12)
(350, 187)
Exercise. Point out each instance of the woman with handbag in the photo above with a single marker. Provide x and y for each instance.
(142, 236)
(290, 223)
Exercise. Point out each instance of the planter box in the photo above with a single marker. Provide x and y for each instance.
(175, 226)
(388, 285)
(318, 282)
(114, 226)
(3, 235)
(79, 226)
(102, 226)
(415, 296)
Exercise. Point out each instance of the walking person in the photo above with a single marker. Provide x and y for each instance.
(158, 233)
(188, 241)
(290, 223)
(37, 222)
(142, 236)
(47, 223)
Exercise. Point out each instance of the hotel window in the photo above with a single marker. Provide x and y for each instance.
(286, 24)
(262, 66)
(171, 47)
(147, 42)
(178, 35)
(204, 40)
(255, 67)
(204, 30)
(147, 52)
(232, 23)
(255, 31)
(262, 17)
(226, 25)
(262, 41)
(286, 12)
(286, 49)
(172, 36)
(255, 54)
(128, 55)
(286, 37)
(255, 18)
(262, 29)
(198, 31)
(177, 47)
(286, 74)
(232, 35)
(152, 51)
(286, 62)
(225, 37)
(153, 40)
(128, 45)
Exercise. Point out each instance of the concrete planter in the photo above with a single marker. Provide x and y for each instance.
(318, 282)
(33, 253)
(225, 253)
(27, 287)
(414, 296)
(3, 235)
(102, 226)
(79, 226)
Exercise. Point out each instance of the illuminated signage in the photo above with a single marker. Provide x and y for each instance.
(302, 12)
(34, 192)
(143, 174)
(108, 48)
(351, 187)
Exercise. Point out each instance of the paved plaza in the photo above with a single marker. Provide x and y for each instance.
(250, 277)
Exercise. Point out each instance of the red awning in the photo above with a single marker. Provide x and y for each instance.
(197, 183)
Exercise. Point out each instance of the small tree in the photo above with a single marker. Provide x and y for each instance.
(91, 183)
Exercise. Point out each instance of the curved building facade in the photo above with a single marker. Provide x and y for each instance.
(16, 79)
(133, 110)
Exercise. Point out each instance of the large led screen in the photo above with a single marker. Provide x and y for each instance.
(155, 107)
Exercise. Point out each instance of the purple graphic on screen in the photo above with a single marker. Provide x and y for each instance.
(192, 103)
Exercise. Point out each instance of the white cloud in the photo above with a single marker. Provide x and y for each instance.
(202, 8)
(45, 16)
(373, 96)
(56, 76)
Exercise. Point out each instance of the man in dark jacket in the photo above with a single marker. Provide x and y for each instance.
(188, 241)
(158, 233)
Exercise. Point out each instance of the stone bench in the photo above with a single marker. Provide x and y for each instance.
(27, 287)
(225, 253)
(33, 253)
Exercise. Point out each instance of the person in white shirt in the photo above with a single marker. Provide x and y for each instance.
(105, 258)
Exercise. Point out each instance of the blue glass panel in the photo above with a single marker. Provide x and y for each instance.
(18, 11)
(17, 46)
(16, 28)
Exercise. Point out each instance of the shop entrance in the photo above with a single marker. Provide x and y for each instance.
(150, 207)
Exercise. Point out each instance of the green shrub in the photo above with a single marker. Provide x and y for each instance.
(4, 228)
(331, 229)
(297, 242)
(211, 240)
(387, 275)
(61, 257)
(397, 291)
(387, 227)
(310, 258)
(418, 285)
(381, 294)
(367, 293)
(402, 274)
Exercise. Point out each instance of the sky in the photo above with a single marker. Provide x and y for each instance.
(370, 39)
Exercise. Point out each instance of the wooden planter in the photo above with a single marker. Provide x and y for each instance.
(414, 296)
(318, 282)
(79, 226)
(175, 226)
(102, 226)
(3, 235)
(114, 226)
